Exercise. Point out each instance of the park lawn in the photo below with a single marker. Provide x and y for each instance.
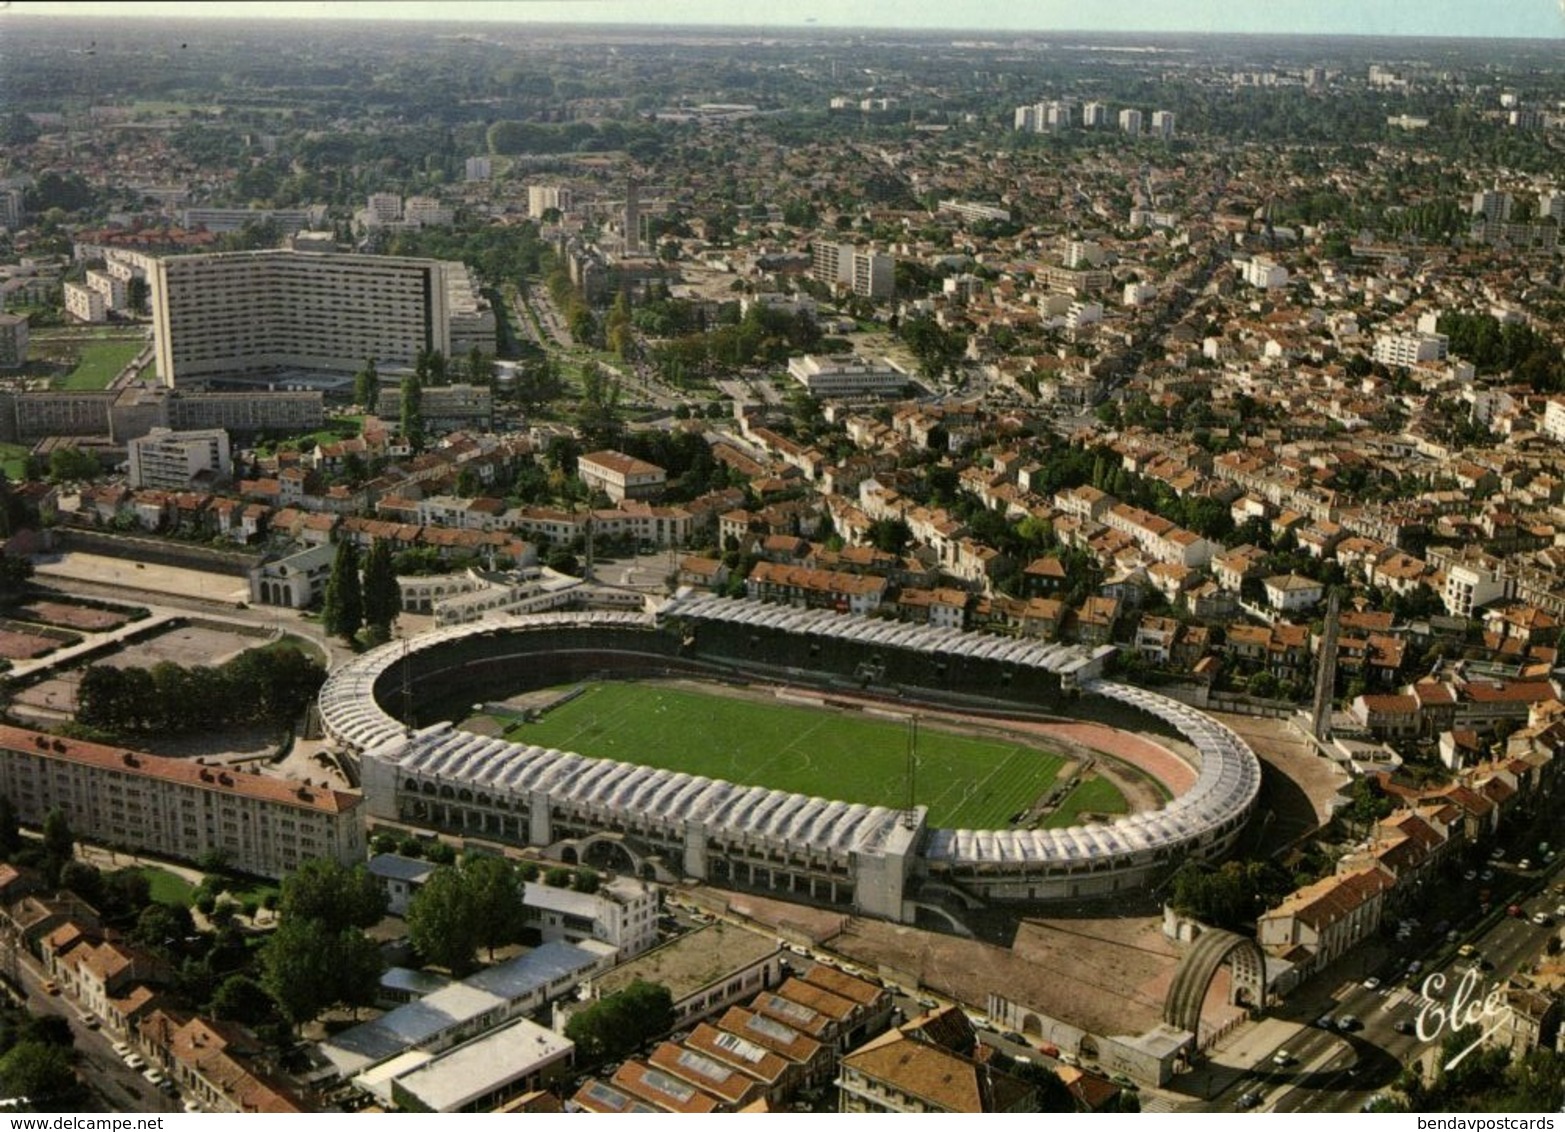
(100, 363)
(845, 756)
(1088, 796)
(167, 887)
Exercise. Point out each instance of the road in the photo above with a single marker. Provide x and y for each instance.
(1331, 1071)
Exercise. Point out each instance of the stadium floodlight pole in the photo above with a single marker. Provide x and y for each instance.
(912, 761)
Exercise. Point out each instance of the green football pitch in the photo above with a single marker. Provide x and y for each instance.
(973, 783)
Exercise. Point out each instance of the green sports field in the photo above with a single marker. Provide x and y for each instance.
(974, 783)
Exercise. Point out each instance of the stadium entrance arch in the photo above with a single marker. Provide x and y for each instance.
(1211, 950)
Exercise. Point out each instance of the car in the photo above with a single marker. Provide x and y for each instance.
(1283, 1058)
(1372, 983)
(168, 1086)
(1247, 1101)
(1452, 936)
(136, 1061)
(1559, 910)
(1525, 864)
(1348, 1023)
(51, 987)
(1326, 1022)
(191, 1106)
(1487, 874)
(1514, 910)
(928, 1003)
(1466, 950)
(1470, 874)
(1497, 854)
(121, 1049)
(1402, 1026)
(154, 1075)
(1415, 967)
(1541, 919)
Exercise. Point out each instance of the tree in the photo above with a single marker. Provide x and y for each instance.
(239, 998)
(69, 464)
(382, 596)
(307, 966)
(480, 371)
(492, 886)
(443, 922)
(413, 412)
(366, 386)
(34, 1069)
(59, 844)
(586, 880)
(618, 1023)
(340, 897)
(558, 877)
(10, 830)
(15, 570)
(342, 610)
(137, 292)
(163, 927)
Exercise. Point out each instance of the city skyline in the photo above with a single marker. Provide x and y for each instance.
(1542, 19)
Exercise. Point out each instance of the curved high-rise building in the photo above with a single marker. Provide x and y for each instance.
(234, 315)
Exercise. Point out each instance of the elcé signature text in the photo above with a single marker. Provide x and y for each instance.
(1465, 1011)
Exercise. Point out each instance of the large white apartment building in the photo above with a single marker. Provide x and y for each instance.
(176, 807)
(1410, 349)
(541, 198)
(85, 304)
(172, 461)
(1130, 122)
(228, 315)
(1264, 273)
(866, 273)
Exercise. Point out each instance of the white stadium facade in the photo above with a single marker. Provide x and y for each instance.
(872, 860)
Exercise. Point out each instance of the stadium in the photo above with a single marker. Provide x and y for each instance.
(873, 859)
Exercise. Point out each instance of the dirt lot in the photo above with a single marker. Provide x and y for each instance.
(24, 646)
(189, 645)
(72, 616)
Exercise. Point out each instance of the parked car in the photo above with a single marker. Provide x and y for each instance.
(1415, 967)
(1402, 1026)
(1247, 1101)
(136, 1061)
(1326, 1022)
(1348, 1023)
(1372, 983)
(1470, 874)
(1541, 919)
(1466, 950)
(51, 987)
(1525, 864)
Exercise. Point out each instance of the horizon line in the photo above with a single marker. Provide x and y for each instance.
(199, 15)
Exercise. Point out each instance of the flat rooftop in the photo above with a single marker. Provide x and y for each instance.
(693, 961)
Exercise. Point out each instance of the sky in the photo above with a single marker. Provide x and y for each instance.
(1481, 18)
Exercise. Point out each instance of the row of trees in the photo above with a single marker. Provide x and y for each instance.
(267, 686)
(369, 602)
